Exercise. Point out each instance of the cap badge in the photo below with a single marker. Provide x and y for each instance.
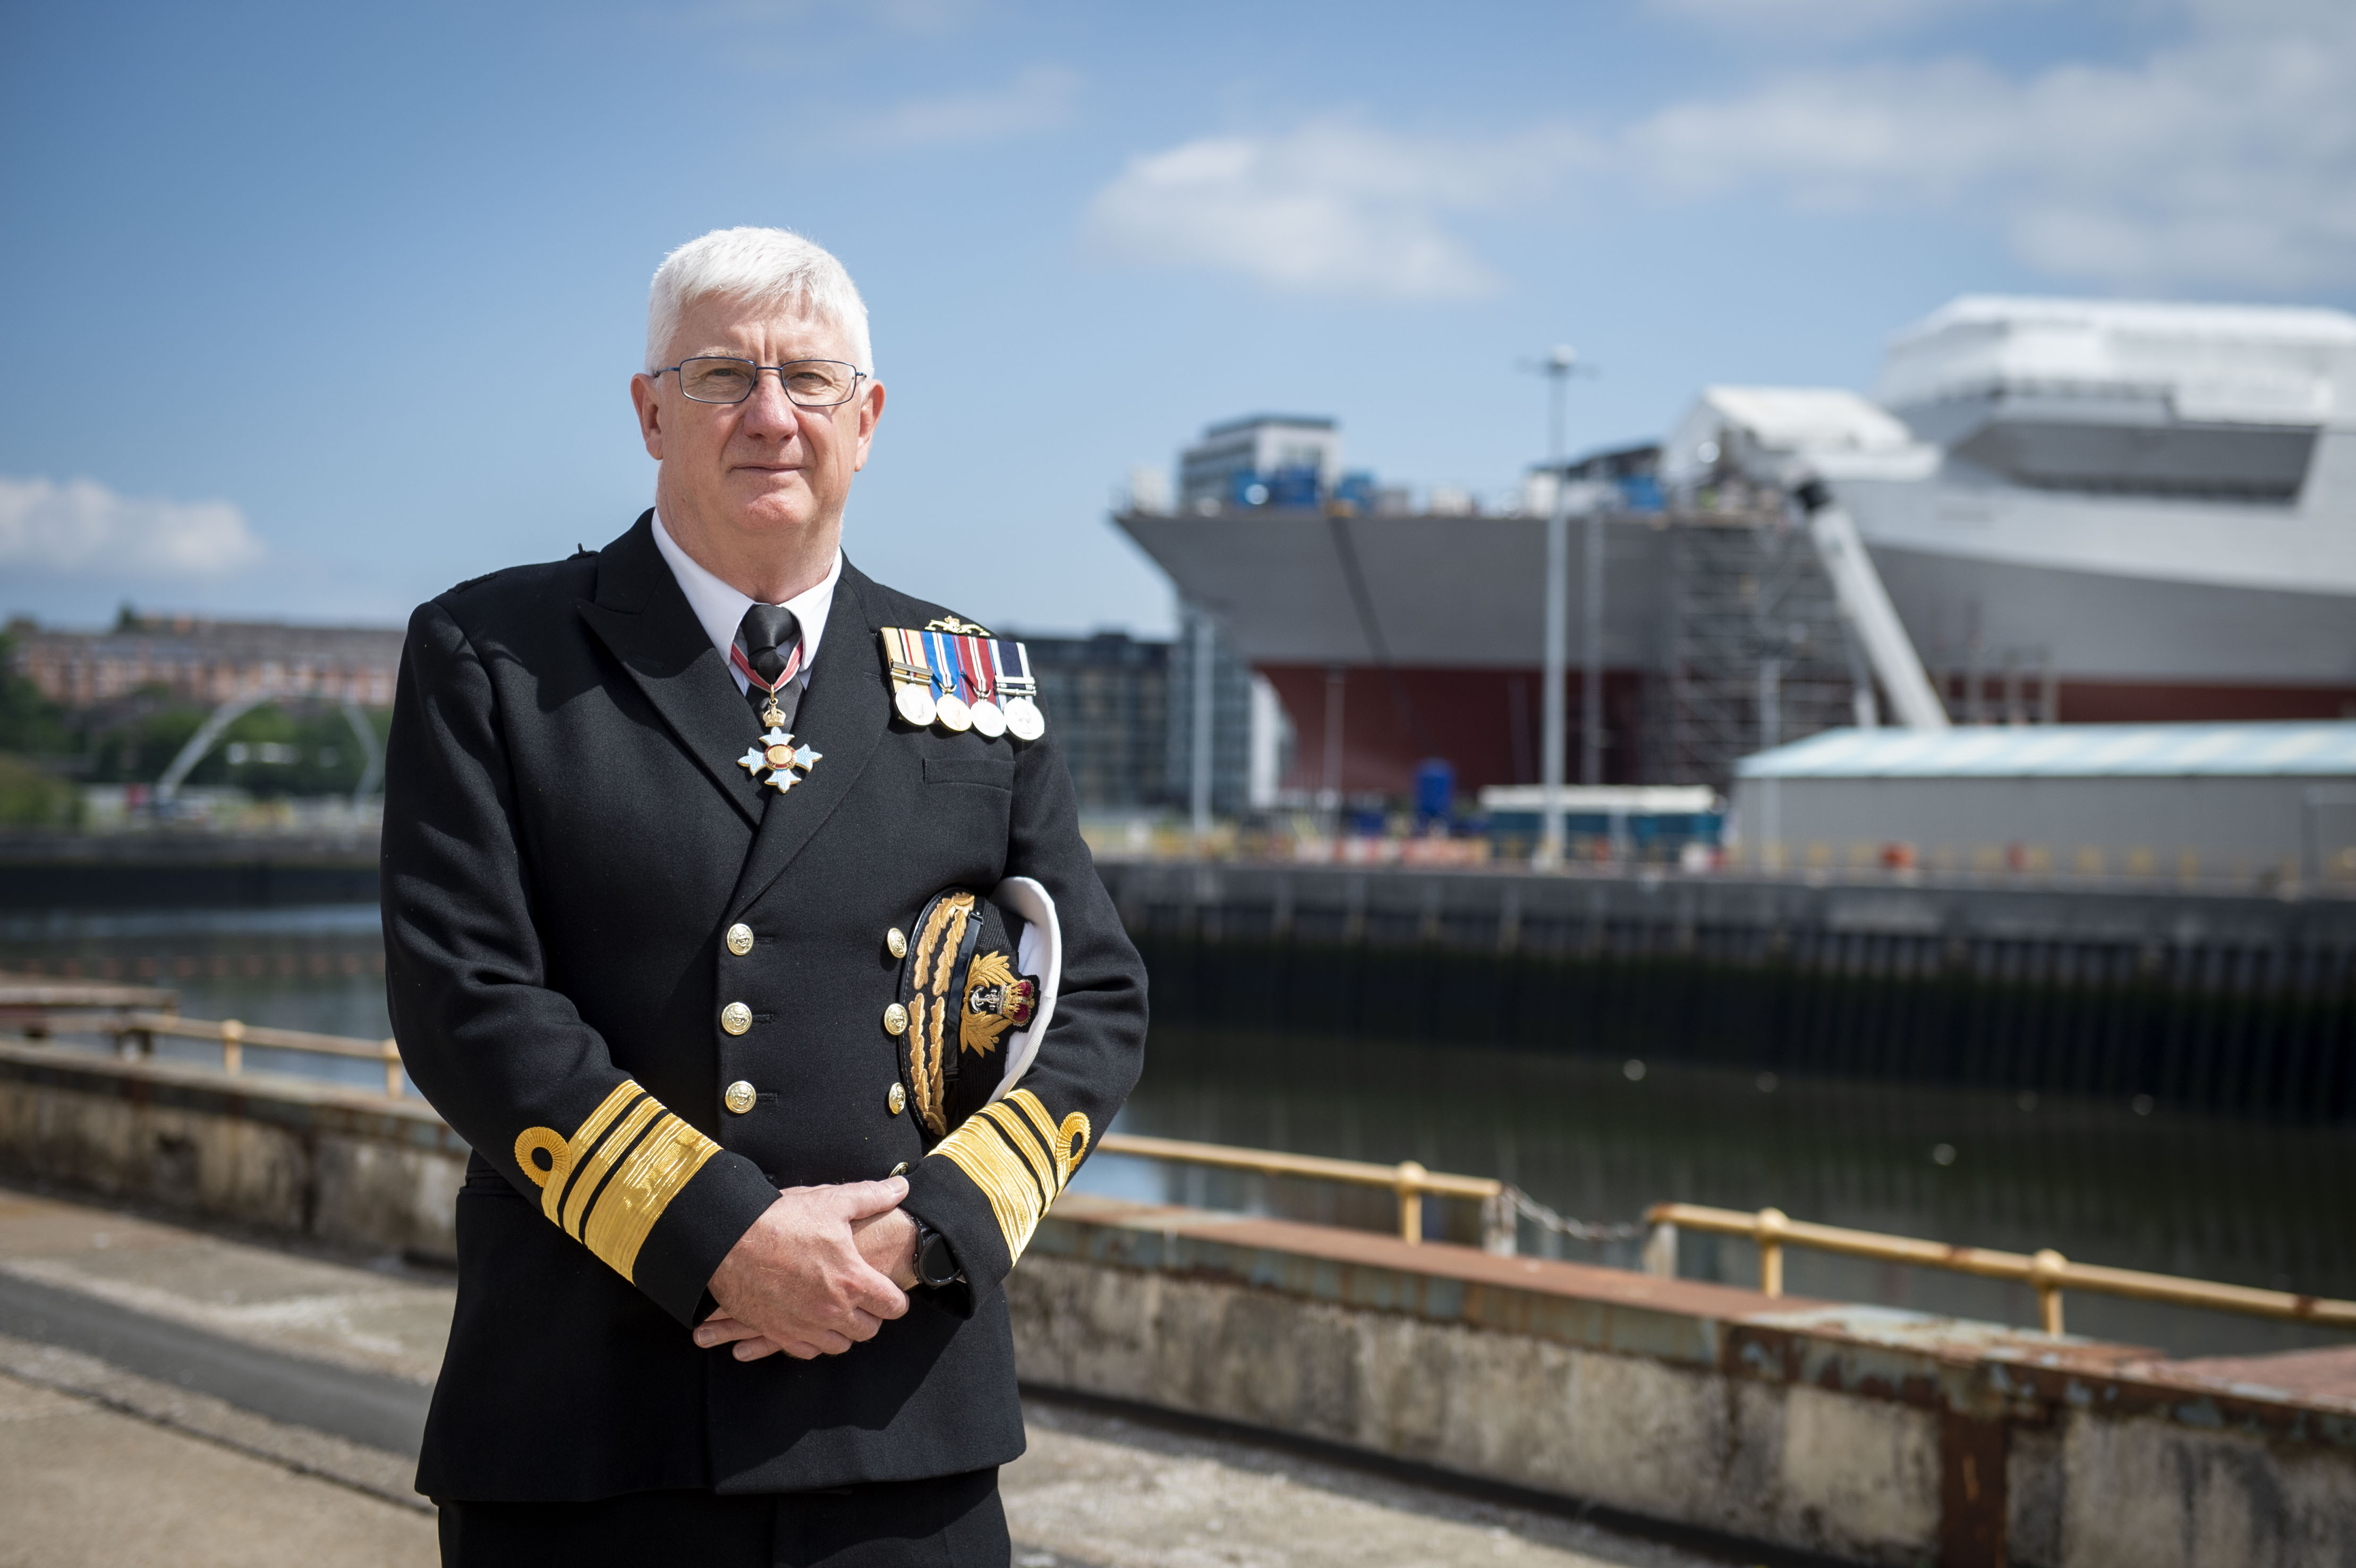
(996, 999)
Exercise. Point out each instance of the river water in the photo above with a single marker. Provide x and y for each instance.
(2209, 1197)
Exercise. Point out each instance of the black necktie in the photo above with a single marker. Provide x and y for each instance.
(769, 635)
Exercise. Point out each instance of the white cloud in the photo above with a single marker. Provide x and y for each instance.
(1037, 100)
(1334, 207)
(2227, 158)
(81, 528)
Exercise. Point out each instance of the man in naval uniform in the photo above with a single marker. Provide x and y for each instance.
(658, 844)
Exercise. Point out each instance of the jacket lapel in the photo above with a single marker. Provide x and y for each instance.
(844, 710)
(645, 623)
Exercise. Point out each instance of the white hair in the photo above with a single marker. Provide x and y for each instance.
(768, 268)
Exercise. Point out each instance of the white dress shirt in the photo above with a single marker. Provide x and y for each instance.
(720, 608)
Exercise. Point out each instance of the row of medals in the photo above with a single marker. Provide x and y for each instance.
(1019, 717)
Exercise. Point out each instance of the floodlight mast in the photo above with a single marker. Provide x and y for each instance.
(1558, 368)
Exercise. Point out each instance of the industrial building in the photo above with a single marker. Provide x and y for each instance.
(2180, 803)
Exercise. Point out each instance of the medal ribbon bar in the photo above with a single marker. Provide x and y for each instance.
(942, 655)
(975, 665)
(912, 676)
(906, 656)
(1010, 682)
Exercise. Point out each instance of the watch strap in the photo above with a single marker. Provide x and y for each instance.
(925, 1237)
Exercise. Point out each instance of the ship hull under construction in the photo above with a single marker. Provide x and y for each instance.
(1423, 634)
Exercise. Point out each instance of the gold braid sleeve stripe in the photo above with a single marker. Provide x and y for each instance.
(611, 1181)
(585, 1138)
(641, 1189)
(1041, 1163)
(589, 1177)
(1069, 1142)
(978, 1149)
(1020, 1157)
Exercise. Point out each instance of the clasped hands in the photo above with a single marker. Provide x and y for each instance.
(820, 1269)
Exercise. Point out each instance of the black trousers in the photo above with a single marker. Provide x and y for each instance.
(951, 1521)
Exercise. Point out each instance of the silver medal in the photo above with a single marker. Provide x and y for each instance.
(1024, 720)
(914, 703)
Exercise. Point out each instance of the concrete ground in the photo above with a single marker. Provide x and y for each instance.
(85, 1485)
(172, 1396)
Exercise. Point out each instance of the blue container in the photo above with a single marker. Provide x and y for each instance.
(1435, 789)
(1358, 489)
(1293, 487)
(1642, 493)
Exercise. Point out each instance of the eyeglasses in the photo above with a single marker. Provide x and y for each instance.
(811, 383)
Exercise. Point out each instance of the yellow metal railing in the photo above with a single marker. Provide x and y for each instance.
(1409, 1179)
(2048, 1271)
(135, 1031)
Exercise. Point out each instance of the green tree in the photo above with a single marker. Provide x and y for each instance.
(30, 724)
(32, 796)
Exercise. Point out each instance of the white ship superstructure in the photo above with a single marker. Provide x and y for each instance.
(2156, 503)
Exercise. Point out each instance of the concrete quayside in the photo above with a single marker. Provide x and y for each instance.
(1841, 1433)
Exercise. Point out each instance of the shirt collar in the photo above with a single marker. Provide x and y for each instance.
(721, 609)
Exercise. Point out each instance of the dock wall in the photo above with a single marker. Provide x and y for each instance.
(1859, 1434)
(2235, 1004)
(183, 870)
(278, 1155)
(1863, 1434)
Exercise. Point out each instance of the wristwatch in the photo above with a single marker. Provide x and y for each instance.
(935, 1264)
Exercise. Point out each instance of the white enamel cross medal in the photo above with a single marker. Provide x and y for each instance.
(779, 753)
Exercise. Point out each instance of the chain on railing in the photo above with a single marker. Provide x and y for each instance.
(1519, 1205)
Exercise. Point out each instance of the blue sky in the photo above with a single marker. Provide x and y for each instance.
(259, 253)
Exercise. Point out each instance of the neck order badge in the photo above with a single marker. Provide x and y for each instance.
(959, 677)
(778, 753)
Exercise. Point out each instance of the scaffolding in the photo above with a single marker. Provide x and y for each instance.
(1755, 652)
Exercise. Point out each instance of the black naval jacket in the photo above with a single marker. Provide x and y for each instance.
(567, 841)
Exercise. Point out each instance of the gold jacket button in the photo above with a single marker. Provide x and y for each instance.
(901, 1168)
(739, 1097)
(896, 941)
(736, 1017)
(895, 1019)
(740, 939)
(897, 1099)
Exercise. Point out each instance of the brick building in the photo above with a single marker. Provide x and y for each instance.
(208, 661)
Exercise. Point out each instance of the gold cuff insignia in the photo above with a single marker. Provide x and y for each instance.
(608, 1184)
(1020, 1157)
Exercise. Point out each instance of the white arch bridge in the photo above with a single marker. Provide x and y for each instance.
(217, 723)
